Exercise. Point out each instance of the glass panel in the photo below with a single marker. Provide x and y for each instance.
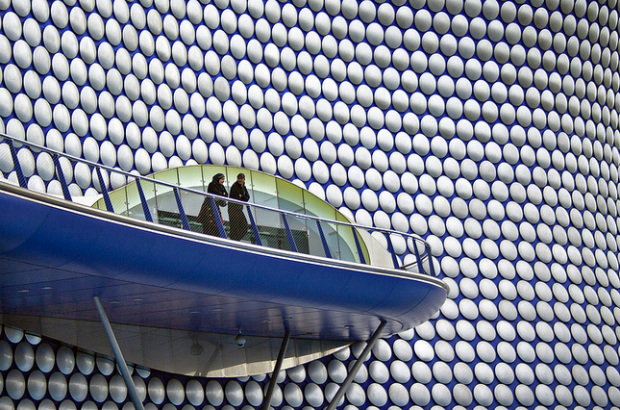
(208, 172)
(346, 241)
(166, 206)
(315, 243)
(134, 207)
(231, 176)
(120, 202)
(265, 190)
(301, 235)
(262, 189)
(290, 197)
(271, 228)
(191, 177)
(117, 197)
(101, 185)
(347, 245)
(170, 176)
(192, 203)
(330, 230)
(317, 207)
(99, 204)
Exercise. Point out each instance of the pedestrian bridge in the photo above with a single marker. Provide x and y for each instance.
(182, 301)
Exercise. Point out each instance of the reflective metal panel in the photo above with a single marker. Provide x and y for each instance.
(65, 360)
(6, 403)
(118, 389)
(400, 371)
(379, 371)
(14, 335)
(234, 393)
(37, 385)
(85, 363)
(382, 350)
(377, 394)
(317, 372)
(24, 356)
(297, 374)
(105, 365)
(337, 371)
(195, 392)
(45, 357)
(419, 394)
(98, 388)
(253, 393)
(355, 395)
(66, 405)
(15, 384)
(175, 391)
(421, 372)
(78, 387)
(213, 391)
(313, 395)
(6, 355)
(140, 386)
(47, 404)
(293, 395)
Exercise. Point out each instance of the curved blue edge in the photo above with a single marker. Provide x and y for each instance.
(54, 259)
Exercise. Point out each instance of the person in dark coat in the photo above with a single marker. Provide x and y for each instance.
(207, 214)
(238, 223)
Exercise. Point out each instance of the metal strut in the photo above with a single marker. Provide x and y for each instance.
(347, 382)
(118, 355)
(276, 370)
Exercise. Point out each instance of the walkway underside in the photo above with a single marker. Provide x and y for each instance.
(179, 351)
(177, 299)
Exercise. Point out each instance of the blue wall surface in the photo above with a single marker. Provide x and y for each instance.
(489, 128)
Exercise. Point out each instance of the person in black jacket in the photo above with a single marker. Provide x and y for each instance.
(238, 223)
(207, 214)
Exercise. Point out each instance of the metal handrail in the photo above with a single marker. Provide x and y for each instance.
(16, 143)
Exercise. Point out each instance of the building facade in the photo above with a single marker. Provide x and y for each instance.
(489, 128)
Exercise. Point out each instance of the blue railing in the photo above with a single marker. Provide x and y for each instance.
(38, 168)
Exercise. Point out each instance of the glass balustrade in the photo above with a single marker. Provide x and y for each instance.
(280, 214)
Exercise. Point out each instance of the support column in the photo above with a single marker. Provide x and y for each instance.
(276, 370)
(118, 355)
(347, 382)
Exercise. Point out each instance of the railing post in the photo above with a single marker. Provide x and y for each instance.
(61, 177)
(328, 254)
(416, 252)
(358, 245)
(18, 168)
(145, 206)
(104, 191)
(181, 210)
(430, 260)
(218, 218)
(289, 234)
(390, 248)
(254, 227)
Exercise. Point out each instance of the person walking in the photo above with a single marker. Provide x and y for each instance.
(238, 222)
(207, 214)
